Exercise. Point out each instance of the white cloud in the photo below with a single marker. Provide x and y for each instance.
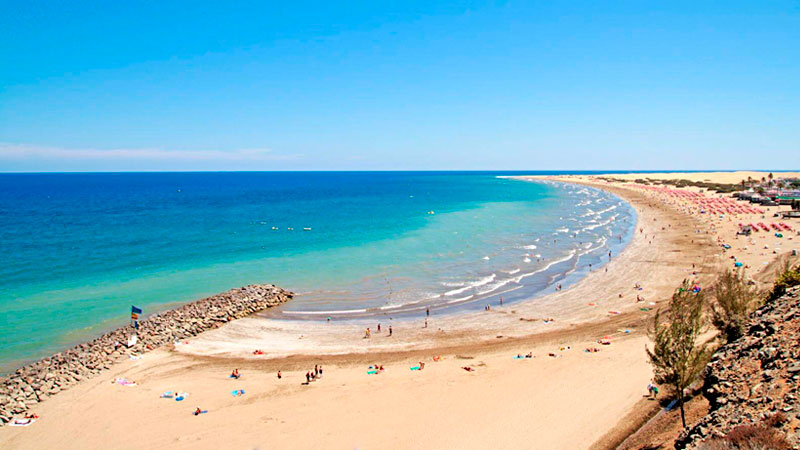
(24, 151)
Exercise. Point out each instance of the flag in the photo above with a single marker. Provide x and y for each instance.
(135, 310)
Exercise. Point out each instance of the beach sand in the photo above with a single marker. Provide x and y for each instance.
(568, 401)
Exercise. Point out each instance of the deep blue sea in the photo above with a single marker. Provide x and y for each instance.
(77, 250)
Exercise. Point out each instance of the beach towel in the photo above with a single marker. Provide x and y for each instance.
(237, 392)
(372, 372)
(21, 422)
(181, 396)
(124, 382)
(167, 394)
(414, 368)
(519, 357)
(201, 412)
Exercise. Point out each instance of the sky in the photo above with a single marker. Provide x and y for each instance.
(404, 85)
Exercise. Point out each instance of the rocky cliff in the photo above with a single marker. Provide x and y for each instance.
(753, 384)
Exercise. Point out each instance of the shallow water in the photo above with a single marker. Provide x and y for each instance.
(79, 249)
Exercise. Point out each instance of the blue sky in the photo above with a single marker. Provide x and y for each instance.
(399, 85)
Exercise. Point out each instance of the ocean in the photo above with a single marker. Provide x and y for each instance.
(78, 250)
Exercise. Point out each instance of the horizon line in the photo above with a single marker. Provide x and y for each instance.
(600, 171)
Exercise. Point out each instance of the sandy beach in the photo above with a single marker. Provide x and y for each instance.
(565, 401)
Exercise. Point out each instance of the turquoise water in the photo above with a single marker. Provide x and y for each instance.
(79, 249)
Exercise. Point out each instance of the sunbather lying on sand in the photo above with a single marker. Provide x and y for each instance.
(468, 369)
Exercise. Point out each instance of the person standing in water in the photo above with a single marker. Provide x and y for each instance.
(390, 330)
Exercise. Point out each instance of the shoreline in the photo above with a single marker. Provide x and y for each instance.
(38, 380)
(569, 307)
(501, 404)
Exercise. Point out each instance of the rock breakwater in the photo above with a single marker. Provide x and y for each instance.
(37, 381)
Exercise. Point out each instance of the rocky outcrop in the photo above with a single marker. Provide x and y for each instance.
(755, 380)
(42, 379)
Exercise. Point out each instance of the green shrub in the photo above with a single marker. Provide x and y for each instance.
(787, 278)
(735, 300)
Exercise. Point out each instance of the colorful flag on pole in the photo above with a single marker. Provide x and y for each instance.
(135, 310)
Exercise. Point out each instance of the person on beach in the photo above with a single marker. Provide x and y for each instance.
(379, 328)
(316, 370)
(308, 377)
(320, 371)
(367, 334)
(279, 374)
(390, 330)
(235, 374)
(427, 312)
(501, 301)
(426, 323)
(198, 411)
